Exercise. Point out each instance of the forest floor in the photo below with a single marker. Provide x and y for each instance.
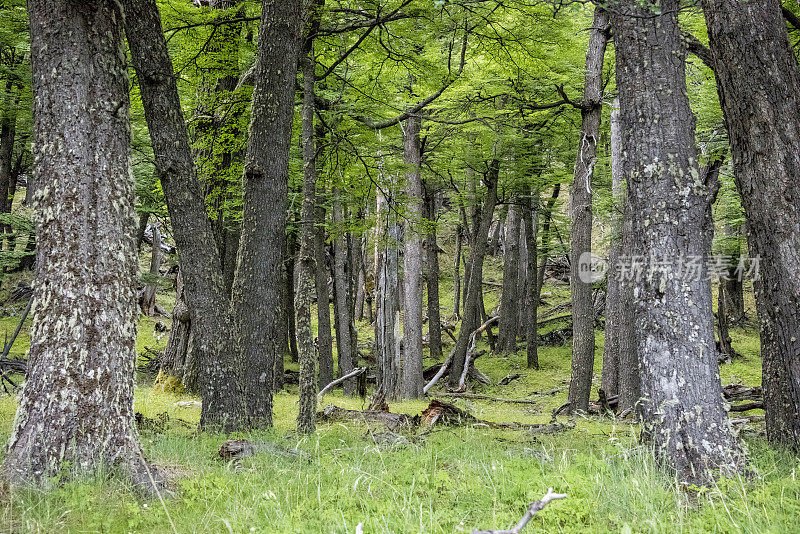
(444, 479)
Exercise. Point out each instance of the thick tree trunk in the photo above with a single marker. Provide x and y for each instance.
(530, 219)
(215, 339)
(76, 407)
(580, 383)
(306, 281)
(474, 290)
(432, 274)
(683, 411)
(256, 298)
(341, 300)
(177, 359)
(509, 302)
(324, 337)
(412, 265)
(758, 81)
(610, 376)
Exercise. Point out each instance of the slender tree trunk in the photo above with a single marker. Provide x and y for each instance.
(472, 307)
(758, 81)
(387, 299)
(215, 339)
(412, 265)
(509, 302)
(531, 219)
(432, 274)
(457, 274)
(144, 217)
(547, 227)
(324, 337)
(256, 298)
(289, 298)
(148, 300)
(580, 384)
(308, 272)
(341, 306)
(685, 420)
(76, 406)
(522, 276)
(8, 132)
(611, 352)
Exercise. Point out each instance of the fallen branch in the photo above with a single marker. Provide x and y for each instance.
(445, 413)
(486, 397)
(757, 405)
(333, 384)
(533, 509)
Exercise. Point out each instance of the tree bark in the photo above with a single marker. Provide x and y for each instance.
(432, 273)
(412, 265)
(341, 304)
(457, 274)
(611, 353)
(305, 287)
(148, 300)
(531, 219)
(471, 318)
(324, 337)
(8, 133)
(685, 420)
(215, 340)
(256, 298)
(583, 344)
(758, 81)
(509, 302)
(76, 406)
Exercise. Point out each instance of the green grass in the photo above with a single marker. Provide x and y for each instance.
(447, 480)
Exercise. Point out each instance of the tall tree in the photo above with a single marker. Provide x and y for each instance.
(683, 410)
(581, 209)
(256, 298)
(77, 403)
(412, 264)
(509, 302)
(758, 81)
(215, 338)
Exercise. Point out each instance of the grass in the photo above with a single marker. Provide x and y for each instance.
(448, 480)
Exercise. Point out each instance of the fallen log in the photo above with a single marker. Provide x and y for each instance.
(351, 374)
(734, 392)
(508, 379)
(533, 509)
(235, 450)
(486, 397)
(444, 413)
(392, 421)
(757, 405)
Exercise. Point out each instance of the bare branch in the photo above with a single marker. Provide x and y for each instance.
(533, 508)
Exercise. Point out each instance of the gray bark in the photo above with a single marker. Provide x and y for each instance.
(76, 406)
(432, 274)
(256, 298)
(148, 300)
(758, 81)
(683, 411)
(532, 290)
(341, 299)
(412, 265)
(509, 302)
(581, 212)
(324, 337)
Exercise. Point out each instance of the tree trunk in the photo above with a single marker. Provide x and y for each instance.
(412, 265)
(177, 360)
(387, 299)
(215, 338)
(341, 305)
(509, 302)
(144, 217)
(758, 81)
(76, 406)
(547, 227)
(683, 411)
(611, 354)
(148, 300)
(8, 132)
(457, 274)
(288, 301)
(324, 337)
(432, 274)
(580, 384)
(531, 219)
(256, 298)
(305, 285)
(474, 290)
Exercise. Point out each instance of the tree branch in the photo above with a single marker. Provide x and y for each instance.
(700, 50)
(534, 507)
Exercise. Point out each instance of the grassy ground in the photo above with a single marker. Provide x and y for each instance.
(448, 480)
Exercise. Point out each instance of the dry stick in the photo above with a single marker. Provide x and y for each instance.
(449, 359)
(351, 374)
(439, 373)
(470, 351)
(533, 508)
